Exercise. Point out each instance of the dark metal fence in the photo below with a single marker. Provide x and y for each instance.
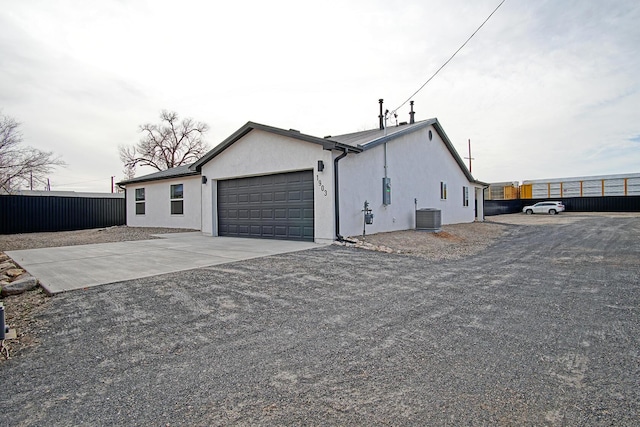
(572, 204)
(29, 214)
(499, 207)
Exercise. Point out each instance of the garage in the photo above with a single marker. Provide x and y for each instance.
(276, 206)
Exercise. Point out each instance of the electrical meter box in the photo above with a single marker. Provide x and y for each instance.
(368, 218)
(386, 191)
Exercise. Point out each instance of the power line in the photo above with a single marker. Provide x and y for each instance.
(449, 60)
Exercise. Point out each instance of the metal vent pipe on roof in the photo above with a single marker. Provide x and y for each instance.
(411, 113)
(381, 117)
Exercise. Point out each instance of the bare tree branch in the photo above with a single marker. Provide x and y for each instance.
(20, 166)
(168, 144)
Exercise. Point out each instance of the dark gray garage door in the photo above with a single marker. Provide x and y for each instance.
(271, 206)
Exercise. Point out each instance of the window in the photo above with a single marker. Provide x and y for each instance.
(177, 207)
(139, 201)
(465, 196)
(443, 190)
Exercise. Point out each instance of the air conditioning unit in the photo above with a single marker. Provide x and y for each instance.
(428, 219)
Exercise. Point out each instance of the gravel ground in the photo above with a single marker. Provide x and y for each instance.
(453, 242)
(540, 328)
(14, 242)
(21, 310)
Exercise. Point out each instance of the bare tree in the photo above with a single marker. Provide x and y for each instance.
(21, 166)
(166, 145)
(129, 172)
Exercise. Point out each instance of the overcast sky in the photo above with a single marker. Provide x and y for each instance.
(546, 89)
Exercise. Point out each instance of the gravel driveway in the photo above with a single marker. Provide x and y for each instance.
(541, 328)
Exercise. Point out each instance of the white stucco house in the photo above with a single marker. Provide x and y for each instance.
(267, 182)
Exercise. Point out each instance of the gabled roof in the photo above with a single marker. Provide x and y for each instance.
(327, 143)
(372, 138)
(353, 142)
(177, 172)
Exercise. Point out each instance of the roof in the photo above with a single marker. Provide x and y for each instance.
(371, 138)
(327, 143)
(352, 142)
(69, 194)
(177, 172)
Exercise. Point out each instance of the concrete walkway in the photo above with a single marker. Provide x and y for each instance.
(77, 267)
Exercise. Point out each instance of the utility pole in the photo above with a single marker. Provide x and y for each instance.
(112, 184)
(470, 158)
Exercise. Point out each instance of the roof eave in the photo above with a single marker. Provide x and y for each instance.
(160, 178)
(438, 127)
(327, 144)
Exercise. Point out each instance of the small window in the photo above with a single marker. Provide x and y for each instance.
(177, 202)
(140, 204)
(443, 190)
(465, 196)
(140, 208)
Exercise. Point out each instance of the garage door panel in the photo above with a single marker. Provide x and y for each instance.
(295, 214)
(280, 179)
(295, 196)
(274, 206)
(308, 232)
(295, 231)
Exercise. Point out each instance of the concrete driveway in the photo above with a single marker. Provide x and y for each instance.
(77, 267)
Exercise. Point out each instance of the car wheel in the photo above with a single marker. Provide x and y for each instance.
(529, 211)
(552, 212)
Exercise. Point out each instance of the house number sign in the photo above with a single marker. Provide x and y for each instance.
(321, 185)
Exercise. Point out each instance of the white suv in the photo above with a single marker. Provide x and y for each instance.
(550, 208)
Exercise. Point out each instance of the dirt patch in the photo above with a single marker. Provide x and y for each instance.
(448, 236)
(452, 242)
(21, 314)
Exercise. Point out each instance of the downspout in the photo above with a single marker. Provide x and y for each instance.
(336, 193)
(484, 187)
(125, 201)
